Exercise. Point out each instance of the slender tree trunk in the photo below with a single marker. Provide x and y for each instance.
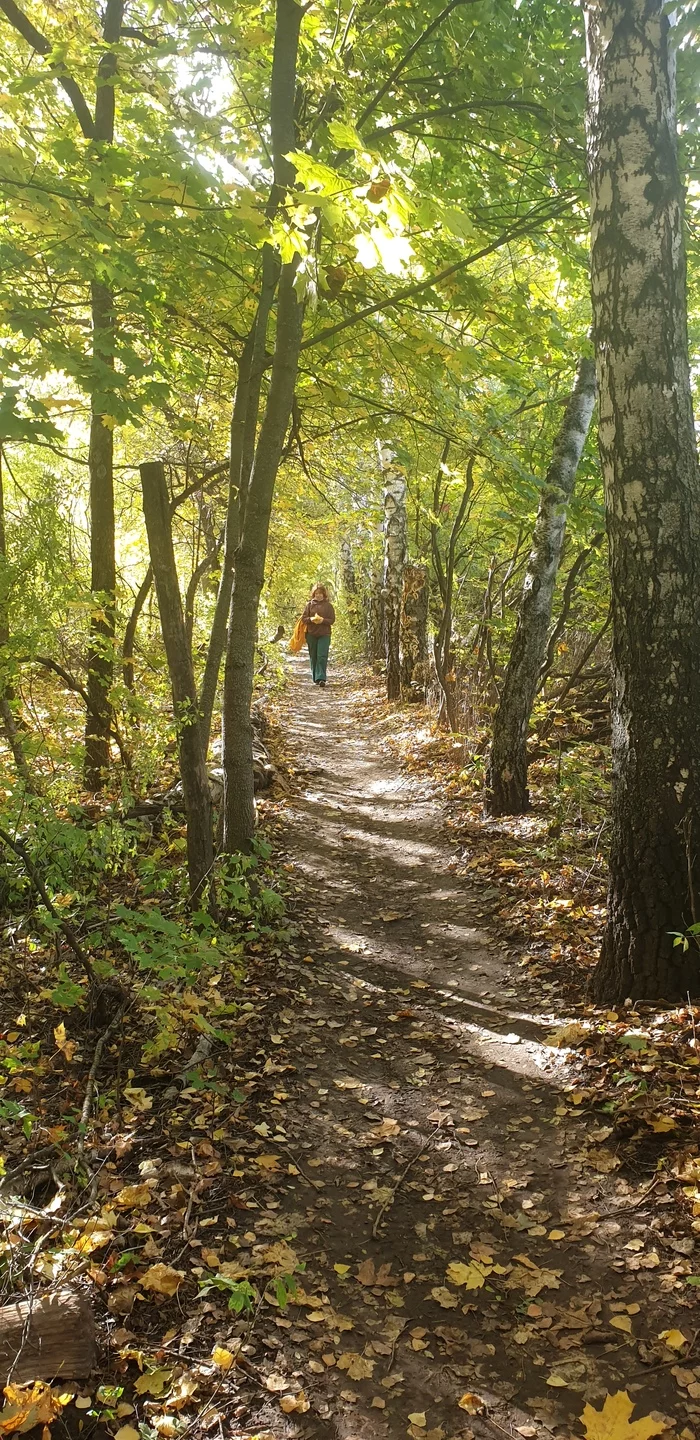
(348, 578)
(7, 693)
(375, 618)
(244, 422)
(130, 631)
(506, 779)
(443, 652)
(103, 575)
(652, 483)
(103, 579)
(394, 560)
(193, 773)
(414, 627)
(239, 802)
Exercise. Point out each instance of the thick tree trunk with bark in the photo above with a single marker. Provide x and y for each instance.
(193, 773)
(506, 779)
(414, 627)
(394, 560)
(652, 483)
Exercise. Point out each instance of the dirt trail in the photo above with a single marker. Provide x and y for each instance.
(427, 1119)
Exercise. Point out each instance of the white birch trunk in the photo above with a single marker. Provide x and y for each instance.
(652, 485)
(506, 782)
(394, 560)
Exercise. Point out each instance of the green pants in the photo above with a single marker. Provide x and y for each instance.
(319, 645)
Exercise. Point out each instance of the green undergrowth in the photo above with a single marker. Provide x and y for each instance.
(112, 946)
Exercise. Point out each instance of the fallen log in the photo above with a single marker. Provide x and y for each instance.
(46, 1338)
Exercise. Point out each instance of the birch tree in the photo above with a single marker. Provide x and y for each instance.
(394, 500)
(652, 483)
(506, 782)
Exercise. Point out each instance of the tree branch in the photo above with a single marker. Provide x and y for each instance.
(406, 59)
(24, 27)
(524, 227)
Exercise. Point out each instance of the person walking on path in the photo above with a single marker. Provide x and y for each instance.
(319, 618)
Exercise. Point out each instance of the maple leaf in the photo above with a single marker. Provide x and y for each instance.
(613, 1421)
(472, 1277)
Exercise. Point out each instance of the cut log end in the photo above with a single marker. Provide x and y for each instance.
(50, 1337)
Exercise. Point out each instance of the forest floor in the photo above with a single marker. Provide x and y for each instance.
(473, 1265)
(392, 1203)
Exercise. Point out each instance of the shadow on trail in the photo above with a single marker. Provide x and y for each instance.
(426, 1119)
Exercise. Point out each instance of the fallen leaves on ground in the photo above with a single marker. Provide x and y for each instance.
(613, 1421)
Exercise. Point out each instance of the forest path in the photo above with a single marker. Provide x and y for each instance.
(428, 1121)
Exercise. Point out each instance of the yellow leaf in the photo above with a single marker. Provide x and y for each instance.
(133, 1196)
(662, 1123)
(390, 915)
(472, 1277)
(153, 1382)
(294, 1404)
(675, 1339)
(622, 1322)
(269, 1163)
(67, 1047)
(137, 1097)
(445, 1297)
(613, 1421)
(127, 1432)
(342, 1269)
(27, 1406)
(418, 1418)
(162, 1279)
(357, 1366)
(557, 1380)
(223, 1358)
(471, 1403)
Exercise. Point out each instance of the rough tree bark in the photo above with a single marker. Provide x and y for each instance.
(506, 776)
(652, 483)
(444, 570)
(7, 693)
(99, 127)
(414, 627)
(103, 575)
(375, 618)
(239, 801)
(394, 560)
(193, 773)
(348, 578)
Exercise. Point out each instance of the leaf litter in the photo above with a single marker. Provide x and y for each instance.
(356, 1209)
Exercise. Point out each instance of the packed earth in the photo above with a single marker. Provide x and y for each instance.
(391, 1207)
